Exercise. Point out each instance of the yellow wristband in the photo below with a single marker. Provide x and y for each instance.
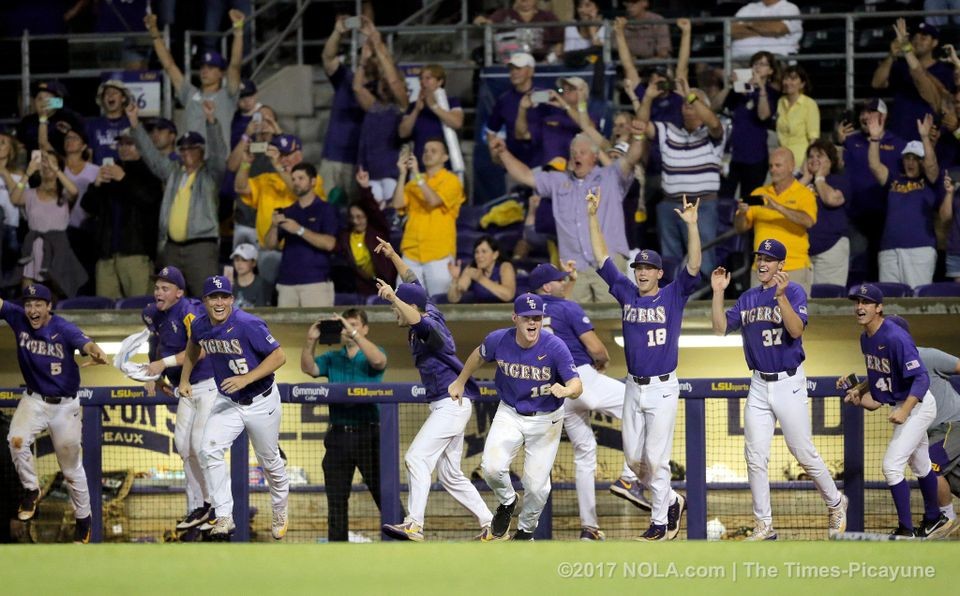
(692, 98)
(246, 165)
(21, 185)
(582, 106)
(43, 119)
(956, 134)
(907, 47)
(418, 178)
(238, 24)
(639, 137)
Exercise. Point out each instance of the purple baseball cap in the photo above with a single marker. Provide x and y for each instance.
(213, 58)
(247, 88)
(172, 275)
(37, 292)
(868, 292)
(191, 139)
(926, 28)
(544, 273)
(528, 305)
(287, 144)
(413, 294)
(217, 284)
(647, 257)
(772, 248)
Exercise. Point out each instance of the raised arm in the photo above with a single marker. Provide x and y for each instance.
(881, 76)
(331, 62)
(308, 365)
(236, 52)
(163, 53)
(374, 355)
(931, 167)
(683, 57)
(719, 280)
(518, 170)
(689, 214)
(946, 206)
(365, 98)
(388, 69)
(404, 272)
(698, 100)
(623, 50)
(160, 165)
(407, 312)
(597, 241)
(638, 134)
(879, 171)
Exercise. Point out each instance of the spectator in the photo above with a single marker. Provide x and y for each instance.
(584, 37)
(788, 211)
(750, 114)
(250, 120)
(271, 191)
(798, 116)
(504, 113)
(691, 162)
(908, 249)
(552, 126)
(163, 133)
(829, 244)
(433, 113)
(341, 141)
(950, 212)
(247, 107)
(489, 278)
(188, 232)
(308, 230)
(384, 105)
(46, 250)
(432, 202)
(81, 228)
(941, 20)
(358, 242)
(893, 73)
(568, 190)
(249, 289)
(125, 202)
(352, 441)
(47, 96)
(102, 131)
(212, 87)
(777, 36)
(10, 176)
(646, 40)
(538, 41)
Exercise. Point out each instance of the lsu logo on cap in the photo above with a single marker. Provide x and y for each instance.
(532, 304)
(863, 290)
(208, 57)
(32, 290)
(164, 272)
(217, 282)
(767, 245)
(644, 255)
(284, 142)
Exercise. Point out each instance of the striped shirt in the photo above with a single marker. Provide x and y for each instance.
(691, 160)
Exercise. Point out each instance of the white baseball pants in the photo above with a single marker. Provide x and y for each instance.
(192, 414)
(227, 420)
(604, 395)
(784, 400)
(539, 436)
(65, 423)
(439, 445)
(909, 443)
(649, 416)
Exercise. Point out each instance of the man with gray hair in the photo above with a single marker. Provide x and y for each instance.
(569, 190)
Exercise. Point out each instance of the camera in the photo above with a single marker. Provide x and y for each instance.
(665, 85)
(330, 331)
(352, 23)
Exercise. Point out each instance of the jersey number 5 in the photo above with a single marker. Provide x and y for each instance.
(239, 366)
(56, 368)
(772, 337)
(656, 337)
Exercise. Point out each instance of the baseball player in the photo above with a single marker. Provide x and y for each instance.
(169, 320)
(651, 336)
(602, 394)
(439, 443)
(45, 346)
(771, 318)
(940, 366)
(535, 372)
(244, 356)
(897, 377)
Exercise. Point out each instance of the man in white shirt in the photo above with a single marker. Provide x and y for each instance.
(776, 36)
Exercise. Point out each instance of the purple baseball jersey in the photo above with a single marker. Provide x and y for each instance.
(566, 320)
(45, 355)
(893, 364)
(172, 329)
(235, 347)
(435, 355)
(524, 376)
(651, 324)
(766, 343)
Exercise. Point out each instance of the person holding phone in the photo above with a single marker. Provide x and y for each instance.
(11, 174)
(352, 441)
(50, 115)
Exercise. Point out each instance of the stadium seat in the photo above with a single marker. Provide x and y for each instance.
(507, 241)
(469, 217)
(890, 289)
(941, 289)
(465, 240)
(827, 291)
(134, 302)
(86, 303)
(347, 298)
(374, 300)
(440, 299)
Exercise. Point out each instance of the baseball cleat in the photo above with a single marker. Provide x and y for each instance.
(485, 535)
(934, 529)
(674, 515)
(28, 505)
(522, 535)
(408, 530)
(592, 534)
(82, 533)
(838, 517)
(631, 491)
(903, 533)
(501, 520)
(222, 527)
(654, 533)
(207, 525)
(762, 531)
(197, 517)
(279, 526)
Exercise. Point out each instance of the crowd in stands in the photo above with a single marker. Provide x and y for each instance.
(93, 204)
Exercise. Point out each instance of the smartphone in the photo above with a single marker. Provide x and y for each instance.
(258, 147)
(742, 84)
(352, 23)
(107, 161)
(849, 117)
(405, 150)
(36, 155)
(848, 382)
(665, 85)
(330, 331)
(539, 97)
(55, 103)
(754, 200)
(257, 117)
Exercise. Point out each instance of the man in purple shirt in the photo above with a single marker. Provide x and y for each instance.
(771, 318)
(897, 377)
(568, 189)
(552, 125)
(535, 372)
(104, 130)
(601, 395)
(45, 346)
(504, 114)
(439, 443)
(244, 356)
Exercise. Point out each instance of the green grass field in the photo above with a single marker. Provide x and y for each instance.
(472, 568)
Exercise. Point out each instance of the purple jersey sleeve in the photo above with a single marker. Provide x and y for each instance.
(798, 300)
(578, 319)
(733, 315)
(562, 359)
(75, 338)
(621, 287)
(488, 349)
(261, 342)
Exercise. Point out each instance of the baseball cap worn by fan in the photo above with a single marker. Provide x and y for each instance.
(773, 249)
(876, 105)
(647, 257)
(160, 124)
(37, 292)
(867, 293)
(54, 87)
(245, 251)
(914, 148)
(213, 58)
(413, 294)
(190, 139)
(172, 275)
(544, 273)
(247, 88)
(217, 284)
(575, 82)
(926, 28)
(521, 60)
(528, 305)
(286, 143)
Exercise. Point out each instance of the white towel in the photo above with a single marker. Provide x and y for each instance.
(135, 370)
(450, 136)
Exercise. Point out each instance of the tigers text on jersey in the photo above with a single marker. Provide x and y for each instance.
(235, 347)
(767, 345)
(45, 355)
(893, 363)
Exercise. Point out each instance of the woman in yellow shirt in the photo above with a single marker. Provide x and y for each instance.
(798, 117)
